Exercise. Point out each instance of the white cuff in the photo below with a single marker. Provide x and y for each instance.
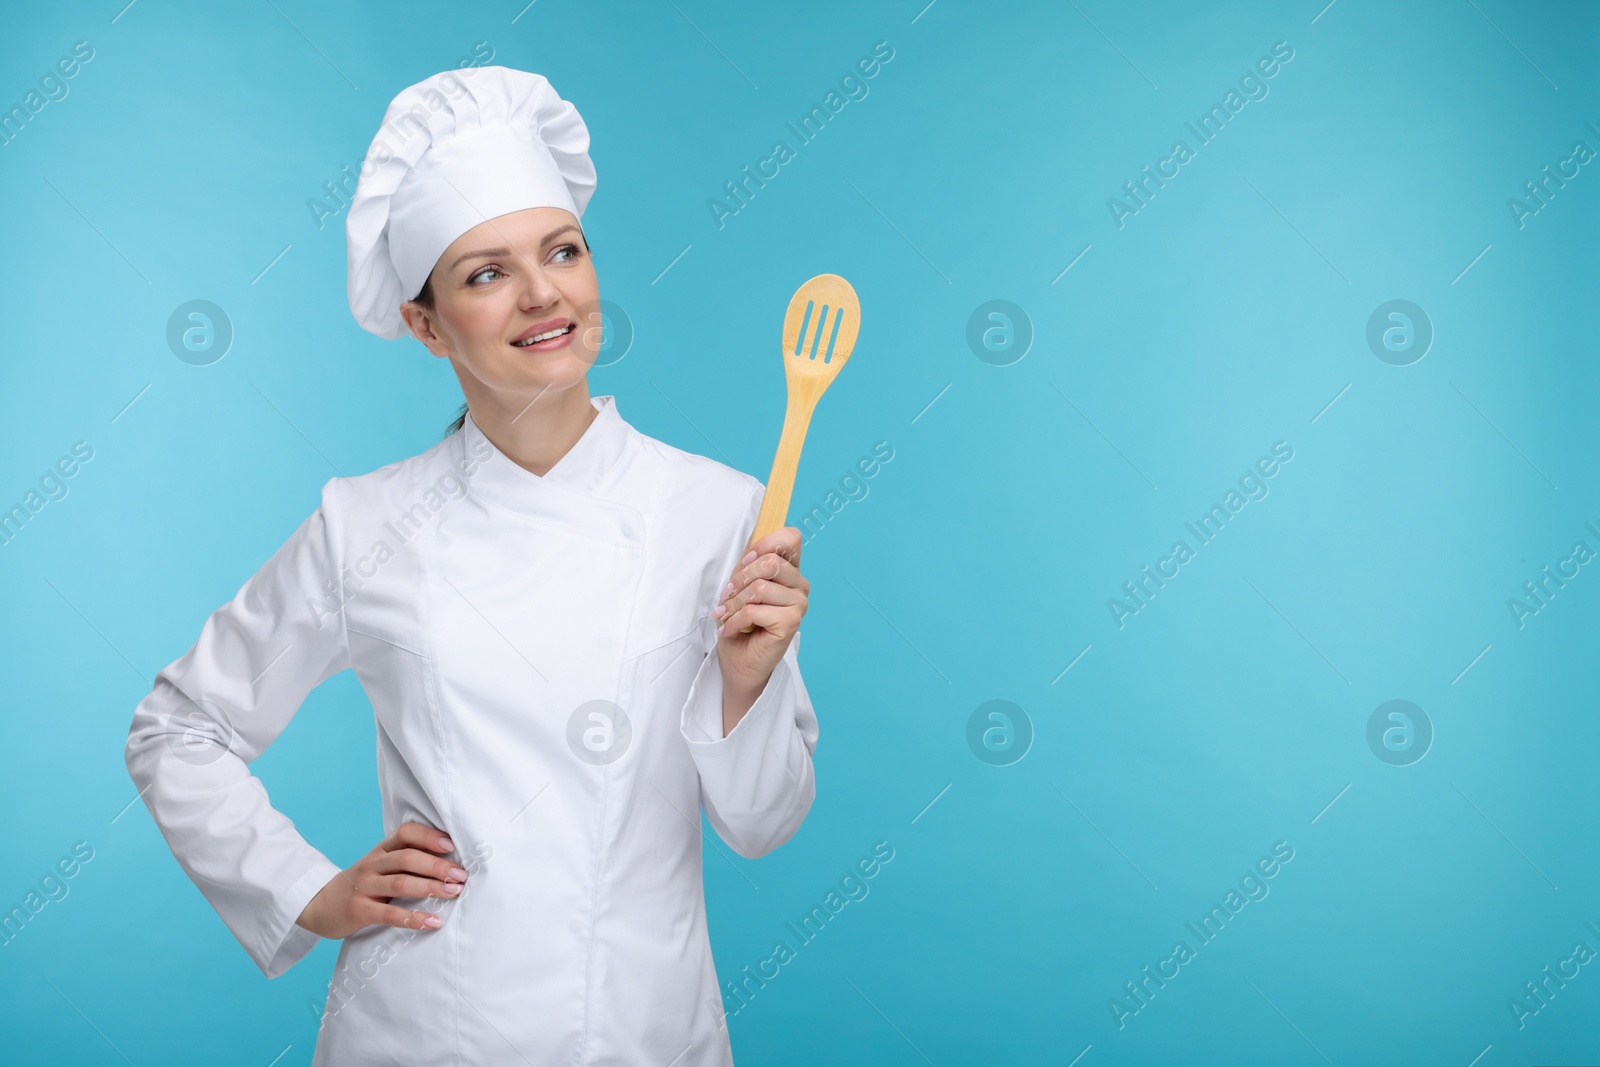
(284, 941)
(701, 721)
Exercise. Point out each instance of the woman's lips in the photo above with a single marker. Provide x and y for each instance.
(551, 344)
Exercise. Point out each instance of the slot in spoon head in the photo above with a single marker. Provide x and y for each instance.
(820, 327)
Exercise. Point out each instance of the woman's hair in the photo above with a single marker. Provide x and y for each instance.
(425, 298)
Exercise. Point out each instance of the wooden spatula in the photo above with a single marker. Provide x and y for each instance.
(819, 332)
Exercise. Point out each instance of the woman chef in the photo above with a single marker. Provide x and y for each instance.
(546, 612)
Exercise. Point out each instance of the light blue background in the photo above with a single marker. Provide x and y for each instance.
(1224, 317)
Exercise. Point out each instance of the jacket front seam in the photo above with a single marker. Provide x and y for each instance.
(429, 664)
(604, 850)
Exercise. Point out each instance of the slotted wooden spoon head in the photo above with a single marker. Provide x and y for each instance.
(819, 332)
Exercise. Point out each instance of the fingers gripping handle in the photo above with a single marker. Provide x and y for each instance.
(780, 483)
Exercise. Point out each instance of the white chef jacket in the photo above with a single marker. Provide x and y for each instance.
(491, 615)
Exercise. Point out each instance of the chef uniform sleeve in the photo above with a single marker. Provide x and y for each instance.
(209, 715)
(757, 782)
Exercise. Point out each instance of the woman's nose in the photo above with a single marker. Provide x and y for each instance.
(539, 291)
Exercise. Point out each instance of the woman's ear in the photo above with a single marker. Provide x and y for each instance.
(422, 326)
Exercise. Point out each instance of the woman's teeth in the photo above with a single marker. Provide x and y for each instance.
(536, 338)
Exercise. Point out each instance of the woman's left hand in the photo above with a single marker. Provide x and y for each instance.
(768, 592)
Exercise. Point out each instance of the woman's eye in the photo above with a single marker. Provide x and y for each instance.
(486, 270)
(568, 248)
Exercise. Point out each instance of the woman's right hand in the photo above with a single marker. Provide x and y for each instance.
(401, 866)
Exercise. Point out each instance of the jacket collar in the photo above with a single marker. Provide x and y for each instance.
(568, 493)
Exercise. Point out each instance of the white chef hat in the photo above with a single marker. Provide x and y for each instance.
(456, 150)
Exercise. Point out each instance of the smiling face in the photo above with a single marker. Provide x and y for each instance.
(498, 286)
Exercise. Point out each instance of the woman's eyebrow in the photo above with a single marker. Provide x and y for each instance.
(558, 231)
(482, 252)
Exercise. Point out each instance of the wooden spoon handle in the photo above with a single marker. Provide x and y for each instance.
(785, 464)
